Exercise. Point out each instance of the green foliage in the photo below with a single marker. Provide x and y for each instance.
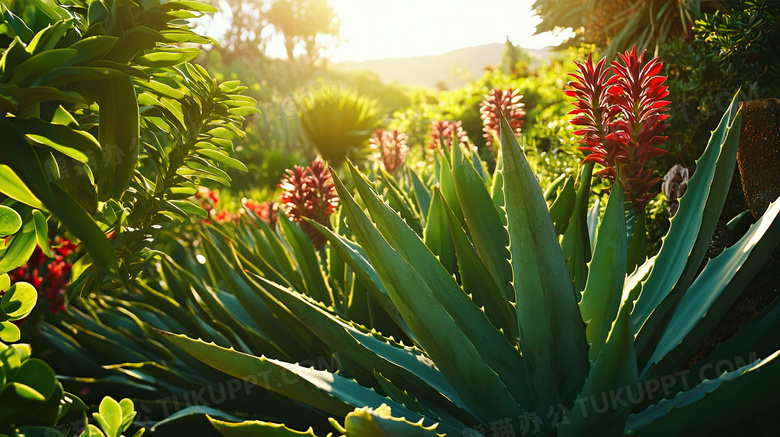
(743, 44)
(108, 128)
(107, 109)
(16, 302)
(32, 398)
(338, 122)
(616, 26)
(112, 418)
(465, 369)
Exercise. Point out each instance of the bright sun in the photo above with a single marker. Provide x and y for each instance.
(375, 29)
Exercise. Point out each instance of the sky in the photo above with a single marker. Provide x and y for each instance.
(378, 29)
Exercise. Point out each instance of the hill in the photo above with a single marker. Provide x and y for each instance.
(451, 69)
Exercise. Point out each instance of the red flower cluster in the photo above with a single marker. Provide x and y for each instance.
(392, 148)
(267, 211)
(442, 132)
(501, 102)
(620, 111)
(208, 199)
(309, 193)
(50, 279)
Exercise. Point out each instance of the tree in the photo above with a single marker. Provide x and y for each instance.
(241, 28)
(617, 25)
(306, 26)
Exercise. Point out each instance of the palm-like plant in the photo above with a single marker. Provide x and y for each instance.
(617, 25)
(339, 123)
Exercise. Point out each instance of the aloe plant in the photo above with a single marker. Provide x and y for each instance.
(501, 338)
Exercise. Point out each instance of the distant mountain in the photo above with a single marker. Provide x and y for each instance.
(451, 69)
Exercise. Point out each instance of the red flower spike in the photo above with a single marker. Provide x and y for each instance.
(309, 193)
(501, 102)
(621, 118)
(442, 132)
(267, 211)
(392, 148)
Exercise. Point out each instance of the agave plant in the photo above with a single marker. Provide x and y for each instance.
(502, 340)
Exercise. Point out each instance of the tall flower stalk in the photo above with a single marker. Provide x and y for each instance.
(309, 192)
(620, 110)
(499, 102)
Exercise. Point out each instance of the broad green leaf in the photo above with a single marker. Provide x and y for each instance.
(41, 64)
(637, 245)
(563, 206)
(320, 389)
(601, 298)
(190, 208)
(222, 158)
(19, 301)
(73, 143)
(160, 88)
(689, 235)
(457, 358)
(189, 5)
(714, 292)
(612, 379)
(497, 189)
(408, 367)
(9, 332)
(42, 233)
(17, 24)
(730, 398)
(380, 422)
(421, 192)
(251, 428)
(10, 221)
(476, 278)
(354, 255)
(93, 47)
(159, 58)
(551, 192)
(12, 186)
(483, 222)
(576, 244)
(20, 248)
(308, 260)
(109, 416)
(224, 133)
(552, 333)
(401, 201)
(48, 37)
(447, 186)
(593, 221)
(37, 375)
(497, 352)
(436, 235)
(22, 159)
